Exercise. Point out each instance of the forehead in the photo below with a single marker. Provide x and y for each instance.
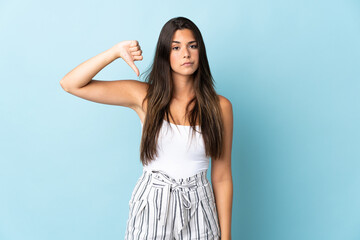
(183, 36)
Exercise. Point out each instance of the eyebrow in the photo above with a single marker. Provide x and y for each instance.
(179, 42)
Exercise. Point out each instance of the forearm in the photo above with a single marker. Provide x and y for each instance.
(83, 73)
(223, 192)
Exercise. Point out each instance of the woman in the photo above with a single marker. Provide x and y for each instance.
(172, 199)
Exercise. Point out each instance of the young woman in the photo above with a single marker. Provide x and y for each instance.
(184, 124)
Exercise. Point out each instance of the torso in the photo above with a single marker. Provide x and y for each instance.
(177, 109)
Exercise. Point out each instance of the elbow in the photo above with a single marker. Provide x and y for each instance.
(63, 86)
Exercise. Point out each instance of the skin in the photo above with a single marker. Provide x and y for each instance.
(185, 50)
(221, 176)
(130, 93)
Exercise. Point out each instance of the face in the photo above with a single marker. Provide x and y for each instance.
(184, 48)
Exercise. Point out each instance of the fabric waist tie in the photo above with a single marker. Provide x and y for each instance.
(160, 180)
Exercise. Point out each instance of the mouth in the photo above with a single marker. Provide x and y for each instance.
(187, 64)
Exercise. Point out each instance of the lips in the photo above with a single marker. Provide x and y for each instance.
(187, 63)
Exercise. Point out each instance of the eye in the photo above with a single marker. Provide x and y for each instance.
(194, 46)
(174, 47)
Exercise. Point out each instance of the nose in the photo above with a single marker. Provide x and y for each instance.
(186, 53)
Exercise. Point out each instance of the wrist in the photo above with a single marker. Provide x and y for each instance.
(114, 53)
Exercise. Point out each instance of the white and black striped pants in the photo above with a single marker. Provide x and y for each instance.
(164, 208)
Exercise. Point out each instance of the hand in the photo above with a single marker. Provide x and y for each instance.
(130, 51)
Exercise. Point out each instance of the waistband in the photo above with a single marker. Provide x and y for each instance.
(196, 187)
(199, 178)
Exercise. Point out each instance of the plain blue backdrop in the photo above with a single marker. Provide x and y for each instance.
(290, 68)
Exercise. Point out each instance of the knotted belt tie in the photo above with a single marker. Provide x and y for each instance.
(168, 185)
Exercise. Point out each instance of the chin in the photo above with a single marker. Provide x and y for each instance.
(186, 74)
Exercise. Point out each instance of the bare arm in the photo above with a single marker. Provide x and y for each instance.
(126, 93)
(221, 174)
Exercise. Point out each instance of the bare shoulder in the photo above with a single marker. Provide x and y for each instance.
(142, 88)
(142, 91)
(227, 111)
(225, 104)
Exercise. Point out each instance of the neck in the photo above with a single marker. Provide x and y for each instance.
(183, 86)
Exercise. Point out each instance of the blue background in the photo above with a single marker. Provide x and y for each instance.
(290, 69)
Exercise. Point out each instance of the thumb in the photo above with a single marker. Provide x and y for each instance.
(133, 66)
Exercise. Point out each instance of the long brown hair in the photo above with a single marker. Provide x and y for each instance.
(160, 92)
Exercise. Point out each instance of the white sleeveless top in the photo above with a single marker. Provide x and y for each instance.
(178, 154)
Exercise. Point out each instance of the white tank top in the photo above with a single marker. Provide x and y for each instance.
(178, 154)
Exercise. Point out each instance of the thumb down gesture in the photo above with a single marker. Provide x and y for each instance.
(130, 51)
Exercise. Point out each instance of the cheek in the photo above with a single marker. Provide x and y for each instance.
(196, 55)
(172, 57)
(173, 60)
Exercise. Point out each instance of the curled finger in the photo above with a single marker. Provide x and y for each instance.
(133, 49)
(138, 58)
(137, 53)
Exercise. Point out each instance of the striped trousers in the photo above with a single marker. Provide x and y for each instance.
(164, 208)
